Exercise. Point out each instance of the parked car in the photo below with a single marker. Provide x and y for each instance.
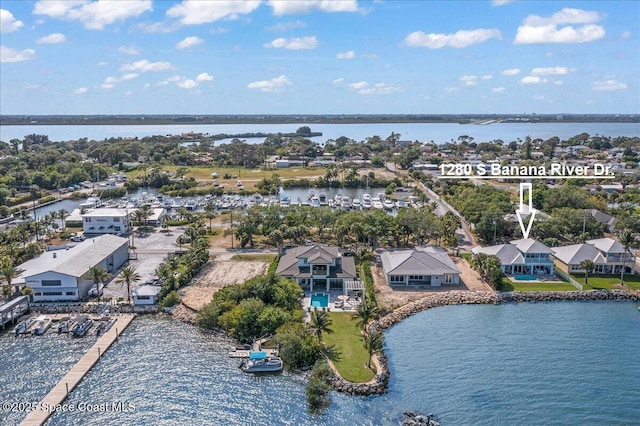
(77, 238)
(95, 292)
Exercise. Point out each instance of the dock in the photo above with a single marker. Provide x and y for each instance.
(256, 347)
(68, 383)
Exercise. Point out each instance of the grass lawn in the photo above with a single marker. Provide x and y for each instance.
(510, 285)
(204, 173)
(607, 282)
(347, 338)
(251, 257)
(467, 256)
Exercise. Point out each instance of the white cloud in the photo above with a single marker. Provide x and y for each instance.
(102, 64)
(346, 55)
(80, 91)
(500, 2)
(558, 82)
(107, 86)
(359, 85)
(8, 23)
(532, 79)
(275, 85)
(551, 71)
(8, 54)
(110, 82)
(537, 29)
(189, 42)
(469, 80)
(625, 35)
(511, 71)
(608, 85)
(54, 38)
(194, 12)
(451, 89)
(460, 39)
(187, 84)
(204, 77)
(295, 43)
(93, 15)
(288, 7)
(338, 81)
(538, 97)
(378, 89)
(129, 50)
(498, 89)
(287, 26)
(144, 65)
(487, 77)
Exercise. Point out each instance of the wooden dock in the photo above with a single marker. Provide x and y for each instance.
(60, 391)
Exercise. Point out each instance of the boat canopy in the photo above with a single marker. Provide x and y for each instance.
(257, 355)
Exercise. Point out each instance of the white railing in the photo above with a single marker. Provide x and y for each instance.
(569, 278)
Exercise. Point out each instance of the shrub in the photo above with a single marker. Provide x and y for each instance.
(171, 299)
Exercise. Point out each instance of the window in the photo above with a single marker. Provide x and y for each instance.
(144, 297)
(448, 279)
(116, 219)
(397, 278)
(87, 219)
(415, 277)
(71, 293)
(52, 293)
(51, 283)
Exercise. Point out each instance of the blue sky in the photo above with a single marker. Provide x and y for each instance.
(319, 57)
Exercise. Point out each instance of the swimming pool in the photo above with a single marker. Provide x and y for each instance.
(319, 300)
(525, 278)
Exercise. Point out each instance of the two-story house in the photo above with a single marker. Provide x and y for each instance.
(525, 256)
(608, 255)
(317, 265)
(105, 221)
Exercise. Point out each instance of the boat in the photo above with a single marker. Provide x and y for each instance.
(90, 203)
(41, 325)
(260, 362)
(346, 203)
(376, 203)
(366, 201)
(388, 204)
(104, 325)
(323, 199)
(24, 323)
(66, 324)
(191, 205)
(315, 201)
(285, 201)
(356, 204)
(401, 204)
(83, 325)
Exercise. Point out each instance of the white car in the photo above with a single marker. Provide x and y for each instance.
(77, 238)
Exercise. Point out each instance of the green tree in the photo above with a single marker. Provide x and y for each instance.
(320, 323)
(366, 312)
(373, 343)
(97, 274)
(588, 267)
(8, 272)
(627, 239)
(128, 276)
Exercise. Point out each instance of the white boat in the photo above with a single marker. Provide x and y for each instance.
(83, 324)
(259, 362)
(315, 201)
(91, 203)
(191, 205)
(356, 204)
(376, 203)
(24, 325)
(104, 325)
(366, 197)
(366, 201)
(285, 201)
(323, 199)
(346, 203)
(66, 324)
(41, 325)
(401, 204)
(388, 205)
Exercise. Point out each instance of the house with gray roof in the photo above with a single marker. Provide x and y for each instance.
(61, 275)
(317, 265)
(607, 254)
(525, 256)
(428, 266)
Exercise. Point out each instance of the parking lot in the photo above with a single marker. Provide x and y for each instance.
(151, 250)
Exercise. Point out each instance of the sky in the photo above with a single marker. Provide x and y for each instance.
(319, 57)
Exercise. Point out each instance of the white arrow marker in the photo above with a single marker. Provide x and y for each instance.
(526, 210)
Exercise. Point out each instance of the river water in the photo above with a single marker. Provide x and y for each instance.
(423, 132)
(556, 363)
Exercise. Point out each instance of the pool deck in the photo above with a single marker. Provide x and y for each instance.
(537, 278)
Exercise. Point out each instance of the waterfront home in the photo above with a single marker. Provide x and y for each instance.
(106, 221)
(428, 266)
(145, 295)
(62, 275)
(608, 220)
(607, 254)
(317, 265)
(525, 256)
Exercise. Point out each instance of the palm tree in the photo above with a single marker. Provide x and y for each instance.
(128, 276)
(8, 272)
(320, 323)
(372, 343)
(365, 313)
(588, 266)
(627, 239)
(62, 215)
(97, 274)
(6, 291)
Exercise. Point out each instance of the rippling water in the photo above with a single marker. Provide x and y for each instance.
(545, 363)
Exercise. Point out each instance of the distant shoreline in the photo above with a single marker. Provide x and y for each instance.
(479, 119)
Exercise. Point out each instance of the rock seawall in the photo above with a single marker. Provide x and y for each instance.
(379, 383)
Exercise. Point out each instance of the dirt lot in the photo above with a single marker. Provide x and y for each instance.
(394, 297)
(218, 273)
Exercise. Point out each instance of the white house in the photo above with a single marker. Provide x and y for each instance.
(62, 275)
(106, 221)
(429, 266)
(145, 295)
(525, 256)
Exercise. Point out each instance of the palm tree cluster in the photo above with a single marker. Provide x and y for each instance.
(372, 340)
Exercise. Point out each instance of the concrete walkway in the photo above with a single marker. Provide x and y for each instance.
(69, 382)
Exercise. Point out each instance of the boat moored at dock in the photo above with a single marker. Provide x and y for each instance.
(83, 325)
(41, 325)
(260, 362)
